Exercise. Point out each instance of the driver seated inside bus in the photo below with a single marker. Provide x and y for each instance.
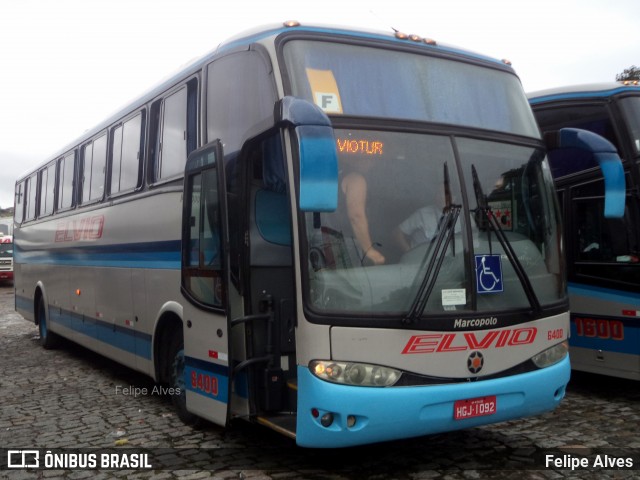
(422, 225)
(353, 193)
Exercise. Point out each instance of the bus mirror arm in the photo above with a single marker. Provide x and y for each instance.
(317, 153)
(605, 154)
(296, 112)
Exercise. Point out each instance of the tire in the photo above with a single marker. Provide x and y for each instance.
(177, 380)
(48, 339)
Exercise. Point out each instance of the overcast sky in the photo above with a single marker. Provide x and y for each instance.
(65, 65)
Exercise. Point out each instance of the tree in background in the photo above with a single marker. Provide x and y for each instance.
(631, 73)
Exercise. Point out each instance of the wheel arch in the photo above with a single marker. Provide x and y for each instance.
(40, 294)
(169, 320)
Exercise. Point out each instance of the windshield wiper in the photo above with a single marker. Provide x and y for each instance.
(437, 249)
(494, 226)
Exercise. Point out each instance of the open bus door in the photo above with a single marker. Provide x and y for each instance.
(206, 369)
(246, 338)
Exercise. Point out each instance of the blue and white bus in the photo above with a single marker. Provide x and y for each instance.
(603, 254)
(236, 233)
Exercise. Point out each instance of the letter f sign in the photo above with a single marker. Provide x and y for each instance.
(328, 102)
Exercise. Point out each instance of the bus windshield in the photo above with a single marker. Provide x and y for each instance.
(6, 250)
(631, 110)
(430, 246)
(349, 79)
(426, 220)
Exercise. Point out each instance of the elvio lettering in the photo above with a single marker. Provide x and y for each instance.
(454, 342)
(88, 228)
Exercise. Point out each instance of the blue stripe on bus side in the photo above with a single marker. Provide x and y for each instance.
(24, 303)
(577, 95)
(604, 293)
(629, 343)
(208, 366)
(122, 338)
(139, 344)
(153, 255)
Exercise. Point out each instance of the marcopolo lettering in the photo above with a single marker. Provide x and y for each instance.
(475, 322)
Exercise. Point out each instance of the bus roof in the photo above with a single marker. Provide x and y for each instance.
(585, 91)
(246, 38)
(255, 34)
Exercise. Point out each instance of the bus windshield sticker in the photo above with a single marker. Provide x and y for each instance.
(325, 90)
(501, 210)
(489, 273)
(454, 296)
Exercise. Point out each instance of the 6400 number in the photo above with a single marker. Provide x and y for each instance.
(205, 383)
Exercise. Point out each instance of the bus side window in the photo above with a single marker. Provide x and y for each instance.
(270, 226)
(203, 275)
(568, 161)
(174, 133)
(94, 159)
(31, 192)
(241, 93)
(47, 183)
(240, 96)
(126, 158)
(594, 118)
(18, 213)
(599, 239)
(66, 180)
(593, 242)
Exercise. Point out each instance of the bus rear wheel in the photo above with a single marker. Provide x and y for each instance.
(177, 379)
(48, 339)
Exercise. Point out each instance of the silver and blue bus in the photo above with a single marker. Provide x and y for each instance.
(603, 254)
(212, 235)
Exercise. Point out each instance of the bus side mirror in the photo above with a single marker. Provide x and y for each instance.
(607, 157)
(318, 189)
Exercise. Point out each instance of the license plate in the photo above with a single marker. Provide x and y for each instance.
(474, 407)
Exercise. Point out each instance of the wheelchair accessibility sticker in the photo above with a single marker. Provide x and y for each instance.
(489, 273)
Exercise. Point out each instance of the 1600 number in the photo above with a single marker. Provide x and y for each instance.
(591, 327)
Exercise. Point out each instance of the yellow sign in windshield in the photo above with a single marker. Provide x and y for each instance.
(325, 90)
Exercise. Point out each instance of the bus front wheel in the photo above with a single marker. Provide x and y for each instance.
(177, 379)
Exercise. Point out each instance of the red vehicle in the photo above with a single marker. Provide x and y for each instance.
(6, 258)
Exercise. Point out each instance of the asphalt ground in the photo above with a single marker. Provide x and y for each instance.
(71, 405)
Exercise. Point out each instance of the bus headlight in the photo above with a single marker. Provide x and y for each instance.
(551, 355)
(353, 373)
